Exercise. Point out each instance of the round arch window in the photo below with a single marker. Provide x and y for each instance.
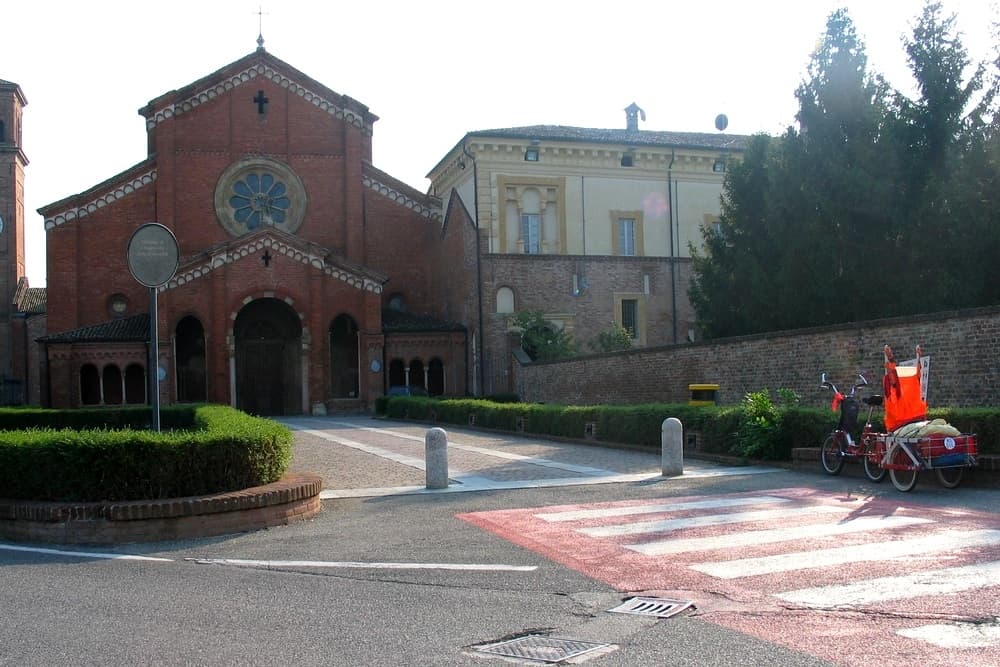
(118, 305)
(259, 192)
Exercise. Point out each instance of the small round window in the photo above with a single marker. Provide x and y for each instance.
(118, 305)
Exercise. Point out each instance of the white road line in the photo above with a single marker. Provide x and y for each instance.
(576, 515)
(472, 567)
(411, 461)
(510, 456)
(472, 483)
(939, 542)
(862, 524)
(82, 554)
(957, 635)
(925, 583)
(707, 520)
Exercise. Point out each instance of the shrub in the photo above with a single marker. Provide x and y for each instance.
(222, 449)
(615, 339)
(756, 428)
(759, 426)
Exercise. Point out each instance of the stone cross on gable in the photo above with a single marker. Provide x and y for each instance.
(260, 101)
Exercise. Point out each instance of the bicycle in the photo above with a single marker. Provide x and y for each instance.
(839, 445)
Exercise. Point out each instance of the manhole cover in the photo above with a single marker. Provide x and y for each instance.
(541, 648)
(660, 607)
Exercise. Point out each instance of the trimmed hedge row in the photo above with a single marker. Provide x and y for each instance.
(719, 429)
(73, 455)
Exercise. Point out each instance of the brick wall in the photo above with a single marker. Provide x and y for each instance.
(545, 282)
(963, 346)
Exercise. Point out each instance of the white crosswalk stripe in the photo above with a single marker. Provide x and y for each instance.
(608, 512)
(919, 584)
(774, 535)
(944, 541)
(707, 520)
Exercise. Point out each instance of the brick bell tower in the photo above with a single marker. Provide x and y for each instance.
(12, 164)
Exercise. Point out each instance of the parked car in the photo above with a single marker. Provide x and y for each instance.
(412, 390)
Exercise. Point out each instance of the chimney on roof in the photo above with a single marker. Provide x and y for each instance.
(632, 115)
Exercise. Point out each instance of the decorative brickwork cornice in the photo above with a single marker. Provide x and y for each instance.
(117, 191)
(401, 198)
(236, 251)
(157, 116)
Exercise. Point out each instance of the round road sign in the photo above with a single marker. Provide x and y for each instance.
(153, 254)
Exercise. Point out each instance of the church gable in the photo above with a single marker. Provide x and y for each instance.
(244, 79)
(400, 193)
(265, 246)
(86, 204)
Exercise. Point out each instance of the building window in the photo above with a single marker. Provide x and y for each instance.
(398, 303)
(531, 233)
(505, 300)
(628, 160)
(118, 305)
(531, 155)
(630, 314)
(626, 233)
(531, 217)
(630, 317)
(626, 236)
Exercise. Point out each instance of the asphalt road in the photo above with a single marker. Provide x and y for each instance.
(405, 580)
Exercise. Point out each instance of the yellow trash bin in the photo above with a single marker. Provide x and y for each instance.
(703, 394)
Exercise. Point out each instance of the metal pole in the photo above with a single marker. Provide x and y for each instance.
(154, 361)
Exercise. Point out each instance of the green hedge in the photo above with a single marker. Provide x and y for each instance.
(75, 456)
(724, 430)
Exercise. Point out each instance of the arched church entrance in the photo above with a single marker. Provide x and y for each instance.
(268, 358)
(189, 344)
(344, 357)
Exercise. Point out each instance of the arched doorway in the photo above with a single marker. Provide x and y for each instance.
(344, 357)
(268, 358)
(189, 343)
(435, 377)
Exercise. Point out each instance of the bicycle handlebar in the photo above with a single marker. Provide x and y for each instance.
(825, 383)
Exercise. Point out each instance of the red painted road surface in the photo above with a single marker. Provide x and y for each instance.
(852, 580)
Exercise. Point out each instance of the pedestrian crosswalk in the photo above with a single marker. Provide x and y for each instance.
(791, 548)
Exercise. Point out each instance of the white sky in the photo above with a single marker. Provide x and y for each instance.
(431, 70)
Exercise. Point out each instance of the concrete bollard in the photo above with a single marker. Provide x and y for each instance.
(436, 458)
(672, 447)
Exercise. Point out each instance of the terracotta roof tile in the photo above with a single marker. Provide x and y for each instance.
(397, 321)
(133, 329)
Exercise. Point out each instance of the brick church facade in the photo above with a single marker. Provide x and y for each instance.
(308, 280)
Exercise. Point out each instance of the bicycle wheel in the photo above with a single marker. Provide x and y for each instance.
(902, 479)
(873, 464)
(830, 455)
(950, 477)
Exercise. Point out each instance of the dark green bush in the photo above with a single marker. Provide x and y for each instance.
(756, 428)
(503, 398)
(221, 449)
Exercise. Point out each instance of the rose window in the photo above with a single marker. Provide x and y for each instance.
(259, 199)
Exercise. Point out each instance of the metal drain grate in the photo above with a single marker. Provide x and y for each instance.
(660, 607)
(541, 648)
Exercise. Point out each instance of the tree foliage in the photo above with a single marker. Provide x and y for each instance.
(540, 339)
(877, 205)
(615, 339)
